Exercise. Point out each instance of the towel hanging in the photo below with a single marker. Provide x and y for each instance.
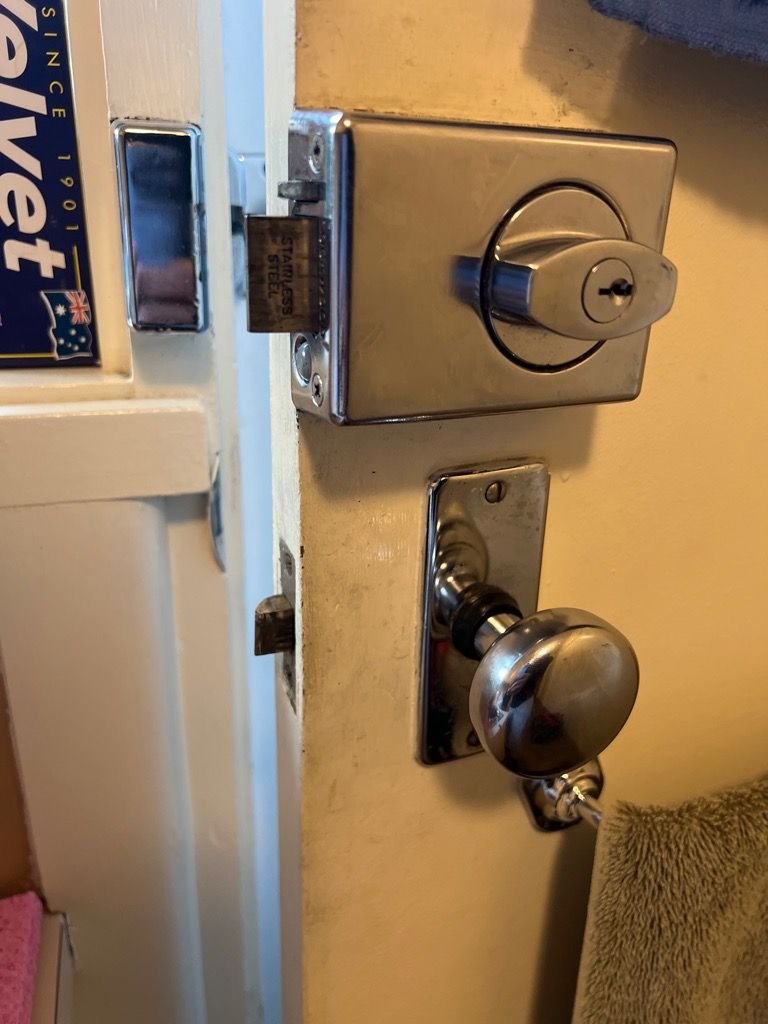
(738, 28)
(677, 929)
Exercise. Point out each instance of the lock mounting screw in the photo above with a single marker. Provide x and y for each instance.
(302, 358)
(316, 151)
(494, 492)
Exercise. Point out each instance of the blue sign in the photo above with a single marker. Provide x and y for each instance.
(46, 292)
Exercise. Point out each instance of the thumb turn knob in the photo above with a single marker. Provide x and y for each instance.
(552, 690)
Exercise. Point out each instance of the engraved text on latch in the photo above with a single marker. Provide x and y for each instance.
(281, 273)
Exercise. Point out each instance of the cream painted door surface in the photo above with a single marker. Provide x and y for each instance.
(422, 894)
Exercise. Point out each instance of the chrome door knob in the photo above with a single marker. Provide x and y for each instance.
(552, 690)
(592, 289)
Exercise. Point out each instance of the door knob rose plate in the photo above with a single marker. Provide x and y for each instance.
(497, 518)
(506, 268)
(543, 692)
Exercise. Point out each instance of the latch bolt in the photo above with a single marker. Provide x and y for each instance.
(274, 626)
(287, 287)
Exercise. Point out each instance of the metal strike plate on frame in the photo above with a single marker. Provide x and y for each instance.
(435, 269)
(160, 188)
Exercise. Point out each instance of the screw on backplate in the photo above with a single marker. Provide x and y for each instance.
(302, 358)
(317, 389)
(495, 492)
(316, 153)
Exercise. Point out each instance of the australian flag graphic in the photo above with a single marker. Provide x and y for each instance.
(70, 314)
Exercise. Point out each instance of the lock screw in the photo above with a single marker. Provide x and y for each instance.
(316, 151)
(608, 290)
(495, 492)
(317, 390)
(302, 358)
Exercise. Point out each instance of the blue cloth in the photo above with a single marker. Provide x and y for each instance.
(735, 27)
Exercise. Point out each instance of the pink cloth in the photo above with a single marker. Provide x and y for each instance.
(20, 921)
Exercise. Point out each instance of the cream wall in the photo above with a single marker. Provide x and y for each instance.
(425, 894)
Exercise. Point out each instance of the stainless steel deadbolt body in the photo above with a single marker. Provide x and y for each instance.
(435, 269)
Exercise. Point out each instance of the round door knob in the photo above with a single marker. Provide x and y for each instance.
(552, 690)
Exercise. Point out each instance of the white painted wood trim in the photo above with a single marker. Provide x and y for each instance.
(229, 915)
(279, 91)
(89, 648)
(162, 60)
(91, 451)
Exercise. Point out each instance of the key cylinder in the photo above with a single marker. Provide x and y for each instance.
(608, 290)
(562, 277)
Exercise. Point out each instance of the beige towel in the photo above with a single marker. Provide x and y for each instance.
(678, 920)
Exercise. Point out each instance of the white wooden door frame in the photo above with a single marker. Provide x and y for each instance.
(124, 645)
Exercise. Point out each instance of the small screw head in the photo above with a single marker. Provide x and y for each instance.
(495, 492)
(302, 358)
(316, 150)
(317, 390)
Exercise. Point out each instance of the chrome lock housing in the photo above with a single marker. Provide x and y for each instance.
(461, 269)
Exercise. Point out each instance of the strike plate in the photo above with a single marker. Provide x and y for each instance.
(502, 511)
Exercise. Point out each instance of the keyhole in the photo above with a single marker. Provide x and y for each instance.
(619, 291)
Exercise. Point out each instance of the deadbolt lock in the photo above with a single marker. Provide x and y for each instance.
(435, 269)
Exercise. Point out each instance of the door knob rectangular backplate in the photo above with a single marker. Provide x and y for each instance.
(503, 510)
(395, 329)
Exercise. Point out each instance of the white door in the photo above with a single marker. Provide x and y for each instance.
(415, 893)
(125, 644)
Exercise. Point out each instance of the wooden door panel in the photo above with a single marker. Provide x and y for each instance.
(424, 893)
